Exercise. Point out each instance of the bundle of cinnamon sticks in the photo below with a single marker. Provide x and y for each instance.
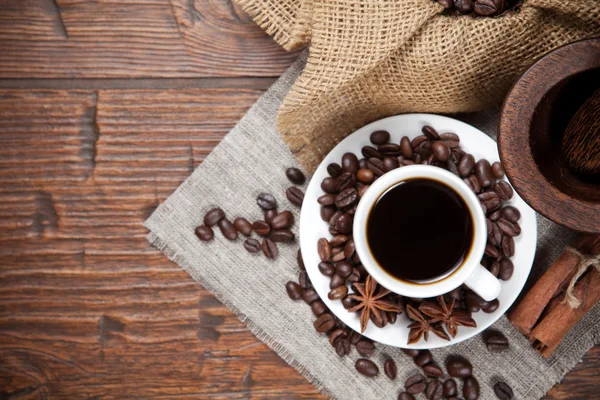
(547, 313)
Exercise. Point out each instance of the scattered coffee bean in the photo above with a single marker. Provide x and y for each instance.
(371, 152)
(269, 215)
(495, 236)
(483, 171)
(335, 335)
(334, 169)
(430, 132)
(293, 290)
(511, 213)
(338, 293)
(504, 190)
(324, 249)
(342, 347)
(473, 183)
(405, 148)
(417, 142)
(506, 269)
(491, 306)
(366, 367)
(434, 390)
(450, 388)
(252, 245)
(365, 176)
(343, 269)
(380, 137)
(269, 248)
(304, 280)
(329, 185)
(344, 223)
(261, 228)
(283, 220)
(365, 348)
(415, 384)
(243, 226)
(350, 163)
(282, 235)
(441, 150)
(324, 323)
(472, 301)
(495, 268)
(405, 396)
(495, 216)
(227, 229)
(447, 4)
(423, 358)
(488, 8)
(346, 198)
(390, 163)
(412, 353)
(295, 176)
(509, 228)
(491, 250)
(266, 201)
(376, 165)
(348, 303)
(433, 370)
(345, 181)
(503, 391)
(326, 200)
(496, 342)
(349, 249)
(508, 246)
(336, 281)
(471, 389)
(466, 164)
(327, 212)
(490, 199)
(326, 268)
(497, 170)
(295, 195)
(450, 139)
(318, 308)
(204, 233)
(389, 149)
(338, 240)
(459, 367)
(390, 369)
(212, 217)
(310, 295)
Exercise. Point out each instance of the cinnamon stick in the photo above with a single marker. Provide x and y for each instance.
(527, 313)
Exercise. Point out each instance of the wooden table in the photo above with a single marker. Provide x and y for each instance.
(106, 106)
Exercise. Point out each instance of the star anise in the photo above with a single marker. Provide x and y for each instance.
(421, 327)
(370, 302)
(447, 314)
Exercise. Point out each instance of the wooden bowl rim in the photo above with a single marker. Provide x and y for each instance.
(516, 115)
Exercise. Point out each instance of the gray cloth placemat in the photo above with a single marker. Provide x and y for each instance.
(252, 159)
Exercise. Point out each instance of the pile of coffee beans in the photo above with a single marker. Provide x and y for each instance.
(479, 8)
(275, 228)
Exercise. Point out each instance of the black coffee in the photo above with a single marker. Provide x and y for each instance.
(419, 230)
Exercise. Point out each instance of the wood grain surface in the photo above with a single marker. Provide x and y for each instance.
(116, 102)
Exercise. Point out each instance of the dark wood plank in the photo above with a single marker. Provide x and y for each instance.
(131, 38)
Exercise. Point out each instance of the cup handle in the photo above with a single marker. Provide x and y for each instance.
(482, 282)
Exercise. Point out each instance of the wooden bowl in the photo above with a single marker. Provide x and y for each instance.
(534, 117)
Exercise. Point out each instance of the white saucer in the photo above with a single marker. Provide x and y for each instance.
(312, 227)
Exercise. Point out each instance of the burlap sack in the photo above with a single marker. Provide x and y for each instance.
(374, 58)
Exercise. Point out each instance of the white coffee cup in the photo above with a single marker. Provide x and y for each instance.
(469, 272)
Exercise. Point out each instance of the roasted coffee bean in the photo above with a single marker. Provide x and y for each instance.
(405, 148)
(441, 150)
(269, 248)
(446, 3)
(417, 159)
(337, 334)
(362, 163)
(324, 249)
(283, 220)
(459, 367)
(506, 269)
(212, 217)
(491, 250)
(269, 215)
(348, 303)
(495, 237)
(450, 139)
(261, 228)
(362, 190)
(412, 353)
(376, 165)
(464, 6)
(329, 185)
(326, 268)
(365, 176)
(491, 306)
(343, 269)
(495, 268)
(471, 389)
(295, 176)
(504, 190)
(425, 149)
(450, 388)
(338, 254)
(390, 149)
(345, 181)
(342, 347)
(227, 229)
(365, 347)
(266, 201)
(417, 142)
(243, 226)
(204, 233)
(508, 246)
(466, 164)
(293, 290)
(434, 390)
(495, 216)
(489, 227)
(324, 323)
(334, 219)
(380, 323)
(392, 317)
(496, 342)
(355, 276)
(344, 223)
(318, 308)
(326, 199)
(380, 137)
(349, 249)
(336, 281)
(295, 195)
(350, 163)
(355, 337)
(406, 396)
(511, 213)
(423, 358)
(497, 170)
(327, 212)
(488, 8)
(371, 152)
(490, 199)
(451, 166)
(338, 240)
(390, 163)
(473, 183)
(415, 384)
(252, 245)
(430, 132)
(310, 295)
(509, 228)
(282, 235)
(366, 367)
(503, 391)
(334, 169)
(346, 198)
(433, 370)
(338, 293)
(472, 301)
(483, 171)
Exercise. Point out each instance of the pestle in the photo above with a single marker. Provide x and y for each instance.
(581, 141)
